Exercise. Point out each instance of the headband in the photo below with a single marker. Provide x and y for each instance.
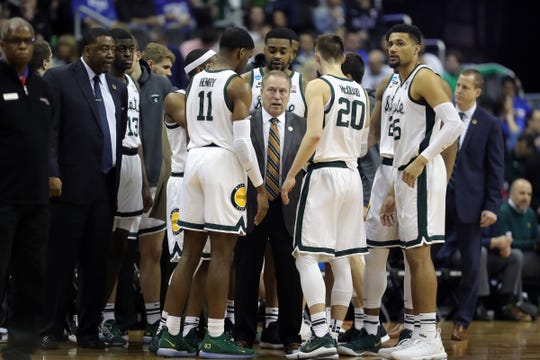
(199, 61)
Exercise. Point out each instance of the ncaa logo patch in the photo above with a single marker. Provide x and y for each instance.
(238, 197)
(175, 221)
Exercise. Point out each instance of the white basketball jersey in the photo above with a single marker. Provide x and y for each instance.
(132, 138)
(414, 122)
(177, 137)
(344, 122)
(297, 103)
(208, 110)
(386, 142)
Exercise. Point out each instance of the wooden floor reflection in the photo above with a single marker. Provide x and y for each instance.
(487, 341)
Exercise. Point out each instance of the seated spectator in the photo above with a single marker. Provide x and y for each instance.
(516, 158)
(376, 69)
(504, 263)
(66, 50)
(514, 110)
(452, 67)
(363, 15)
(518, 218)
(306, 49)
(533, 127)
(329, 16)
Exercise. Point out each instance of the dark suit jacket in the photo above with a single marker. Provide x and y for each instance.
(295, 128)
(77, 139)
(479, 169)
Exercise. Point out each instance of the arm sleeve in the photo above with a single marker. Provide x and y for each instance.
(451, 130)
(244, 150)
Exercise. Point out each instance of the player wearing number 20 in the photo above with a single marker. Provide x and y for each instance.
(328, 226)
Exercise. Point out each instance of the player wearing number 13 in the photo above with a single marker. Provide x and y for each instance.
(328, 221)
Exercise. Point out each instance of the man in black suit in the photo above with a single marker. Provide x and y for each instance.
(474, 191)
(85, 165)
(26, 110)
(278, 225)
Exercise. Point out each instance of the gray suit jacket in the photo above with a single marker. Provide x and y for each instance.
(295, 128)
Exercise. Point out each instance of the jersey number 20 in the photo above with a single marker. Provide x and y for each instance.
(348, 115)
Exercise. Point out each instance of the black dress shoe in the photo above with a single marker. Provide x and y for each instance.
(49, 342)
(91, 343)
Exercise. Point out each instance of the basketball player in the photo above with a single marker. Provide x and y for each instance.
(418, 193)
(328, 223)
(133, 192)
(278, 55)
(217, 109)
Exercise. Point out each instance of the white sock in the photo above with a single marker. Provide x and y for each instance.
(428, 324)
(173, 324)
(335, 327)
(408, 322)
(163, 320)
(153, 312)
(319, 324)
(271, 315)
(216, 327)
(108, 312)
(358, 318)
(371, 323)
(190, 322)
(230, 310)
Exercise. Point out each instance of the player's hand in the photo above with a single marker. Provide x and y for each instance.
(487, 218)
(388, 211)
(413, 170)
(286, 187)
(55, 187)
(262, 205)
(147, 199)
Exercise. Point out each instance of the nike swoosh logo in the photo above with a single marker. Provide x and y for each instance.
(170, 343)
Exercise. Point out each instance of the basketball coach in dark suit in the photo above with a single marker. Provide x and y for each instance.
(474, 191)
(276, 136)
(85, 167)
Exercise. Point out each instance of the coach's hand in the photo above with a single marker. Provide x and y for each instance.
(262, 205)
(55, 187)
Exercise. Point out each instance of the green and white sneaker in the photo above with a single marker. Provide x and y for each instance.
(222, 347)
(149, 332)
(318, 347)
(174, 345)
(154, 344)
(364, 344)
(111, 334)
(192, 338)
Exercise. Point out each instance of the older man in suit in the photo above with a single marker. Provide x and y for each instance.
(84, 165)
(474, 191)
(276, 136)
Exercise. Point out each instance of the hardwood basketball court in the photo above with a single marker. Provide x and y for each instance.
(488, 340)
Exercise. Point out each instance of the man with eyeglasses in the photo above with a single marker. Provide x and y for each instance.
(26, 110)
(85, 167)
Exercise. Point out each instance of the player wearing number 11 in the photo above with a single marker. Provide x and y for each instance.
(329, 224)
(213, 195)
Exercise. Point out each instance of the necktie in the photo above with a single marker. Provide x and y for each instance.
(452, 181)
(272, 161)
(106, 160)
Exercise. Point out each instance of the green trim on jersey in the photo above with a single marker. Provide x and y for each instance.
(227, 101)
